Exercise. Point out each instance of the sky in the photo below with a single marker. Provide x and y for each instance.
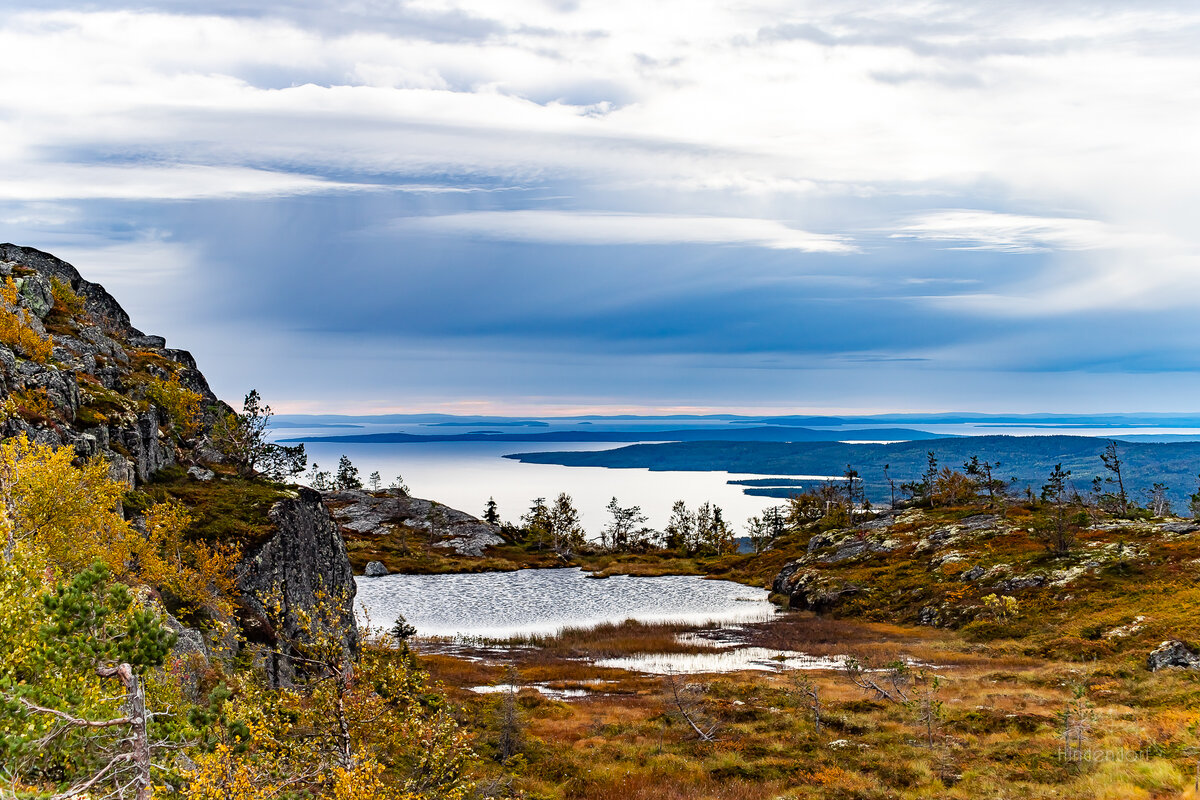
(560, 206)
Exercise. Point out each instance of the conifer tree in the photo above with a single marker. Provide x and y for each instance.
(347, 475)
(491, 514)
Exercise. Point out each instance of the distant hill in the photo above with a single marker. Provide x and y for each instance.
(1025, 459)
(773, 433)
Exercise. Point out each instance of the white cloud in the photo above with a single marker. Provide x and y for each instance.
(965, 229)
(715, 118)
(157, 182)
(594, 228)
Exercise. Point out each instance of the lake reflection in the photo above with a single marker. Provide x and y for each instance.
(501, 605)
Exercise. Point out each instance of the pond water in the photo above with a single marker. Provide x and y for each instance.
(505, 605)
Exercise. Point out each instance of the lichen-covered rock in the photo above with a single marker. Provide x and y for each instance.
(973, 574)
(201, 474)
(1019, 582)
(1172, 653)
(36, 292)
(302, 568)
(929, 615)
(835, 546)
(942, 537)
(375, 569)
(367, 513)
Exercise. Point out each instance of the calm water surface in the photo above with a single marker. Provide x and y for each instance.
(507, 604)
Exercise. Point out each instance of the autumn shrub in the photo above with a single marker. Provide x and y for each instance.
(180, 403)
(65, 300)
(68, 517)
(360, 730)
(32, 405)
(15, 329)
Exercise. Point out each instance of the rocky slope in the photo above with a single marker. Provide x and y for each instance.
(74, 372)
(1121, 588)
(926, 557)
(92, 393)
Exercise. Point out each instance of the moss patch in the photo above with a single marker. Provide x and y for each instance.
(227, 509)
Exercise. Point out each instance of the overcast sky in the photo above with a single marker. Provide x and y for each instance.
(539, 206)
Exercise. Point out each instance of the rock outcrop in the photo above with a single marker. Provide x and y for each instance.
(298, 585)
(91, 393)
(96, 385)
(809, 590)
(359, 513)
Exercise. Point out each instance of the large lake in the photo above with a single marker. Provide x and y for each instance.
(502, 605)
(464, 475)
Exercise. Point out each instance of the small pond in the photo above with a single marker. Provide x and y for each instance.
(505, 605)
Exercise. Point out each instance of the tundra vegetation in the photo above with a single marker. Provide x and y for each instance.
(987, 642)
(984, 639)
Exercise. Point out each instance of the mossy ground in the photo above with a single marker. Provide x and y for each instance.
(228, 509)
(1005, 685)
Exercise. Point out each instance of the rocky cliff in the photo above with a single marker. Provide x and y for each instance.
(93, 392)
(74, 372)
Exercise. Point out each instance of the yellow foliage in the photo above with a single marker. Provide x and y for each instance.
(193, 571)
(224, 774)
(1002, 607)
(15, 329)
(65, 299)
(68, 517)
(332, 736)
(65, 515)
(181, 403)
(30, 404)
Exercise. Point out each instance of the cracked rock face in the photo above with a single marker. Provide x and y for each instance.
(367, 513)
(302, 567)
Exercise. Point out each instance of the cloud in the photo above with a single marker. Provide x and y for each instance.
(720, 139)
(162, 182)
(598, 228)
(965, 229)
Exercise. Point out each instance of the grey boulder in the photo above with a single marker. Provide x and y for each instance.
(1172, 653)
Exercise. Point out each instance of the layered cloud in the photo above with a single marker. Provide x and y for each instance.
(840, 186)
(595, 228)
(1013, 233)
